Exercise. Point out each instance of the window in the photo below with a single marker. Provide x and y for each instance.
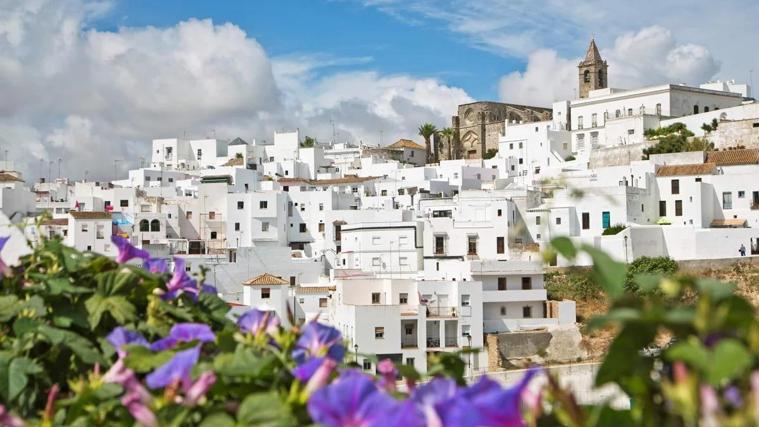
(264, 226)
(466, 331)
(383, 193)
(617, 114)
(586, 220)
(367, 364)
(124, 203)
(403, 298)
(439, 245)
(379, 332)
(706, 109)
(727, 200)
(503, 311)
(410, 360)
(211, 215)
(472, 245)
(200, 154)
(579, 122)
(629, 111)
(265, 293)
(237, 226)
(321, 206)
(500, 212)
(695, 109)
(155, 225)
(213, 235)
(465, 300)
(527, 312)
(511, 146)
(658, 109)
(558, 221)
(501, 283)
(321, 227)
(580, 141)
(537, 220)
(442, 214)
(593, 120)
(586, 76)
(375, 240)
(302, 227)
(678, 208)
(322, 302)
(375, 297)
(100, 231)
(741, 194)
(376, 262)
(526, 283)
(403, 261)
(188, 215)
(144, 225)
(500, 245)
(698, 179)
(675, 186)
(662, 208)
(85, 228)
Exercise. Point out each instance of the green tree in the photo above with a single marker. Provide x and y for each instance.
(308, 142)
(490, 153)
(426, 131)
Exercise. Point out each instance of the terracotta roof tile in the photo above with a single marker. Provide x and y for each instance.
(405, 143)
(7, 177)
(90, 215)
(234, 162)
(312, 290)
(265, 279)
(733, 157)
(728, 223)
(686, 170)
(56, 221)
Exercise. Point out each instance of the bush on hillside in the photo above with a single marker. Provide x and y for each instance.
(614, 229)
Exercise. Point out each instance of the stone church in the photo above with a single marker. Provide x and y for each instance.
(478, 125)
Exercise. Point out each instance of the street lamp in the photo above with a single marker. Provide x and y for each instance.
(355, 349)
(469, 341)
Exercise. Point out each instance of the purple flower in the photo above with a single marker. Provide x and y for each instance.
(156, 266)
(354, 400)
(436, 392)
(319, 340)
(4, 269)
(306, 370)
(175, 370)
(320, 377)
(139, 410)
(121, 336)
(7, 419)
(256, 321)
(184, 332)
(127, 251)
(180, 282)
(387, 370)
(733, 396)
(199, 389)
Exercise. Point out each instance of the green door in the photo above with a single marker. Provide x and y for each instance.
(606, 220)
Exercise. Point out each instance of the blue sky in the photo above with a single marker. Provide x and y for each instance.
(340, 29)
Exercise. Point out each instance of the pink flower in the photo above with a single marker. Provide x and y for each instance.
(387, 370)
(139, 410)
(199, 389)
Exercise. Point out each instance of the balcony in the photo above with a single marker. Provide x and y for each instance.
(517, 295)
(755, 206)
(441, 311)
(450, 342)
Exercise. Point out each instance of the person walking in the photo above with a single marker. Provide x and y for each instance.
(742, 250)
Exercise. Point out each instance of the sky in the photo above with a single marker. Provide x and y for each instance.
(92, 82)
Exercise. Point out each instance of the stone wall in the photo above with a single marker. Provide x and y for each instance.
(558, 344)
(733, 133)
(617, 156)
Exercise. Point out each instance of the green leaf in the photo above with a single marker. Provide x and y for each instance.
(730, 359)
(141, 359)
(8, 307)
(265, 409)
(691, 352)
(623, 356)
(61, 285)
(565, 247)
(218, 419)
(714, 288)
(79, 345)
(14, 375)
(611, 274)
(24, 325)
(117, 306)
(243, 362)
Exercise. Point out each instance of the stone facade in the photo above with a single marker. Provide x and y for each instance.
(478, 125)
(730, 134)
(593, 71)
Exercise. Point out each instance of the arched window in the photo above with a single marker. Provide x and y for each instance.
(695, 109)
(617, 113)
(144, 225)
(155, 225)
(658, 109)
(706, 109)
(601, 79)
(586, 76)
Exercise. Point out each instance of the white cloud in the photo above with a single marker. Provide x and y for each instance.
(647, 57)
(90, 96)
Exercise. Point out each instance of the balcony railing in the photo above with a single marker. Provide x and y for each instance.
(409, 344)
(433, 342)
(451, 342)
(440, 311)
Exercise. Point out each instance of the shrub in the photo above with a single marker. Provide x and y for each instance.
(574, 284)
(614, 229)
(569, 158)
(643, 266)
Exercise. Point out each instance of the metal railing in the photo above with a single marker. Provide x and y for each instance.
(441, 311)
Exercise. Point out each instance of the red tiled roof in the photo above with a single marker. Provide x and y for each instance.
(312, 290)
(733, 157)
(90, 215)
(7, 177)
(56, 221)
(405, 143)
(265, 279)
(686, 170)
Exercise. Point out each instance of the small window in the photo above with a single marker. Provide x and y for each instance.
(675, 186)
(501, 283)
(211, 215)
(465, 300)
(503, 311)
(741, 194)
(500, 212)
(85, 228)
(188, 215)
(302, 227)
(500, 245)
(265, 293)
(698, 179)
(403, 298)
(367, 365)
(586, 220)
(379, 332)
(527, 312)
(558, 221)
(240, 205)
(662, 208)
(678, 208)
(727, 200)
(472, 245)
(321, 206)
(213, 235)
(321, 227)
(322, 302)
(376, 262)
(124, 203)
(264, 226)
(466, 331)
(375, 297)
(439, 245)
(526, 283)
(237, 226)
(537, 220)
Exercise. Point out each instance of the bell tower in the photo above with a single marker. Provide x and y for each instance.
(593, 71)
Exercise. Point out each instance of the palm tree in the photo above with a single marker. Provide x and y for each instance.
(448, 134)
(426, 131)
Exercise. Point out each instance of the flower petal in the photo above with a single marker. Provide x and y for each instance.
(176, 369)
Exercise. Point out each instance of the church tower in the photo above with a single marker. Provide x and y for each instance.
(593, 73)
